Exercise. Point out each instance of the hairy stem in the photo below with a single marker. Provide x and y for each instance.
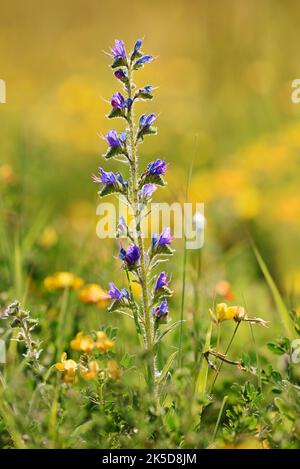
(148, 323)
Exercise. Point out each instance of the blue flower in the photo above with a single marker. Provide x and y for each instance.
(147, 191)
(131, 256)
(121, 180)
(107, 178)
(165, 237)
(120, 75)
(118, 101)
(148, 88)
(142, 61)
(119, 50)
(161, 311)
(136, 53)
(157, 167)
(162, 281)
(137, 45)
(115, 294)
(113, 139)
(146, 121)
(155, 238)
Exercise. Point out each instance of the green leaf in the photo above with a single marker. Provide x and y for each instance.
(168, 329)
(282, 309)
(118, 62)
(201, 383)
(115, 112)
(111, 189)
(275, 348)
(113, 151)
(167, 367)
(127, 360)
(152, 178)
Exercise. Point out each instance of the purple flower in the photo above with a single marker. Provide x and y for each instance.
(121, 180)
(118, 101)
(113, 139)
(156, 167)
(119, 50)
(162, 281)
(115, 294)
(147, 191)
(107, 178)
(131, 256)
(161, 310)
(146, 121)
(143, 60)
(120, 74)
(165, 237)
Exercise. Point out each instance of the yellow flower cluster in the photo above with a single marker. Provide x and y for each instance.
(89, 294)
(62, 280)
(90, 372)
(86, 344)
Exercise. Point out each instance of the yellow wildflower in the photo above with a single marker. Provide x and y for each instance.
(92, 370)
(68, 367)
(93, 294)
(48, 237)
(113, 370)
(82, 343)
(224, 313)
(103, 343)
(237, 313)
(62, 280)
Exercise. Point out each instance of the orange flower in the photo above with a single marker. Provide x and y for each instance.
(223, 288)
(93, 294)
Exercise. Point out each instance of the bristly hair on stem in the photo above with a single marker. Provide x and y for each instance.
(138, 260)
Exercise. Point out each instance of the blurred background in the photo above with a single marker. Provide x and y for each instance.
(223, 71)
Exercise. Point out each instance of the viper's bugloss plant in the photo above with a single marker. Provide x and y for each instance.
(138, 260)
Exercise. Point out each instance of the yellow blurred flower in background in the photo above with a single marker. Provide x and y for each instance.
(48, 237)
(82, 343)
(7, 175)
(113, 370)
(223, 288)
(94, 294)
(104, 343)
(62, 280)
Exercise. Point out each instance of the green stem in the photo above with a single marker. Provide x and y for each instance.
(226, 351)
(219, 418)
(182, 302)
(148, 323)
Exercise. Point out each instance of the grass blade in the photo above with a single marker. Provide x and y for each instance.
(282, 309)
